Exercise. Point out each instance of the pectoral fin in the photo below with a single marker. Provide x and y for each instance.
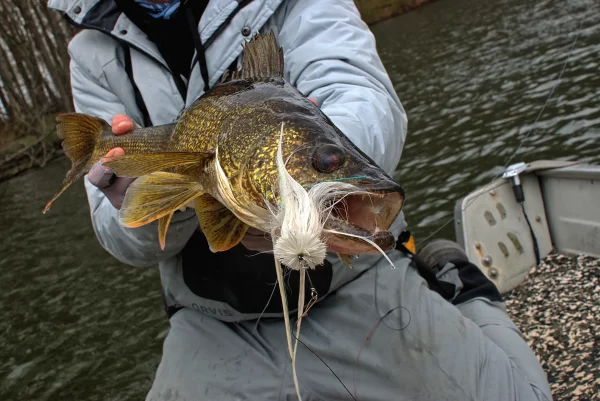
(347, 259)
(156, 195)
(137, 165)
(163, 225)
(222, 229)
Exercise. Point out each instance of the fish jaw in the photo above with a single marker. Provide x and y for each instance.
(358, 219)
(346, 245)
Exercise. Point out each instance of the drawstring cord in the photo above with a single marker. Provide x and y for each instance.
(200, 50)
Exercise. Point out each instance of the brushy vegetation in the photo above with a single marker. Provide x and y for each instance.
(34, 82)
(34, 76)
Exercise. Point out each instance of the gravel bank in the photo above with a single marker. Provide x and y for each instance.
(558, 310)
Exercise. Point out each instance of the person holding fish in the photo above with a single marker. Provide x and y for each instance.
(220, 138)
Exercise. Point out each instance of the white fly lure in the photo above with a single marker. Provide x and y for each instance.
(297, 233)
(296, 225)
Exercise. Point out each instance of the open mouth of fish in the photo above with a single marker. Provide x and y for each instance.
(357, 217)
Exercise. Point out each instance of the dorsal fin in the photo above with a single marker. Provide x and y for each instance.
(262, 58)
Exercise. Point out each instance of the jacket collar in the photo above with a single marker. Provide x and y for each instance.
(105, 16)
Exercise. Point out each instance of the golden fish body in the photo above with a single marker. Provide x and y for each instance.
(221, 153)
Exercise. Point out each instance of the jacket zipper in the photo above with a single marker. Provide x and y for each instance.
(181, 85)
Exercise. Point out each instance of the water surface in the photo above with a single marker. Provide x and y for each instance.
(472, 75)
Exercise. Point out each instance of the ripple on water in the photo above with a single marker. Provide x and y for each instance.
(76, 323)
(472, 75)
(473, 82)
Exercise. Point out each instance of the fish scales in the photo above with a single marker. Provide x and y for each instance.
(233, 153)
(236, 128)
(149, 140)
(245, 125)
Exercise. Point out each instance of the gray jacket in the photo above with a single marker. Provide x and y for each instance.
(329, 54)
(471, 351)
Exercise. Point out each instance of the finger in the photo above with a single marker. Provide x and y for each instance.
(113, 153)
(121, 124)
(190, 205)
(313, 100)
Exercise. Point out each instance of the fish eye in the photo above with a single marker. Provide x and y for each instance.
(328, 158)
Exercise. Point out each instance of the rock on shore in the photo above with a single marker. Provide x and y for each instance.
(557, 309)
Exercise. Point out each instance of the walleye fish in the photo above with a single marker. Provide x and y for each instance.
(221, 154)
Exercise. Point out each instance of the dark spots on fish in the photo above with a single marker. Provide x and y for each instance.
(328, 158)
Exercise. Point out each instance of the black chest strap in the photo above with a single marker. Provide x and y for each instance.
(245, 280)
(139, 100)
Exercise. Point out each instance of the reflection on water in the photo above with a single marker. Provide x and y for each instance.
(472, 75)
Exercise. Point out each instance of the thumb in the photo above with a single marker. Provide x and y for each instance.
(121, 124)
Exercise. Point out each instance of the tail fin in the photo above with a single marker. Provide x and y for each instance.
(80, 134)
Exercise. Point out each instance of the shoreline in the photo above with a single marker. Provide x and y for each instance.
(32, 157)
(375, 11)
(42, 150)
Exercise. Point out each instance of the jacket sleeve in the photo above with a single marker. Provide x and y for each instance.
(508, 369)
(330, 55)
(134, 246)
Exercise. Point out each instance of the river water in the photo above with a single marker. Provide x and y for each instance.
(472, 75)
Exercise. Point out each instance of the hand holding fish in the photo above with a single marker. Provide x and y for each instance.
(115, 187)
(224, 161)
(254, 155)
(102, 177)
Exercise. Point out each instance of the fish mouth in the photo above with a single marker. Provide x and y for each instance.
(358, 219)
